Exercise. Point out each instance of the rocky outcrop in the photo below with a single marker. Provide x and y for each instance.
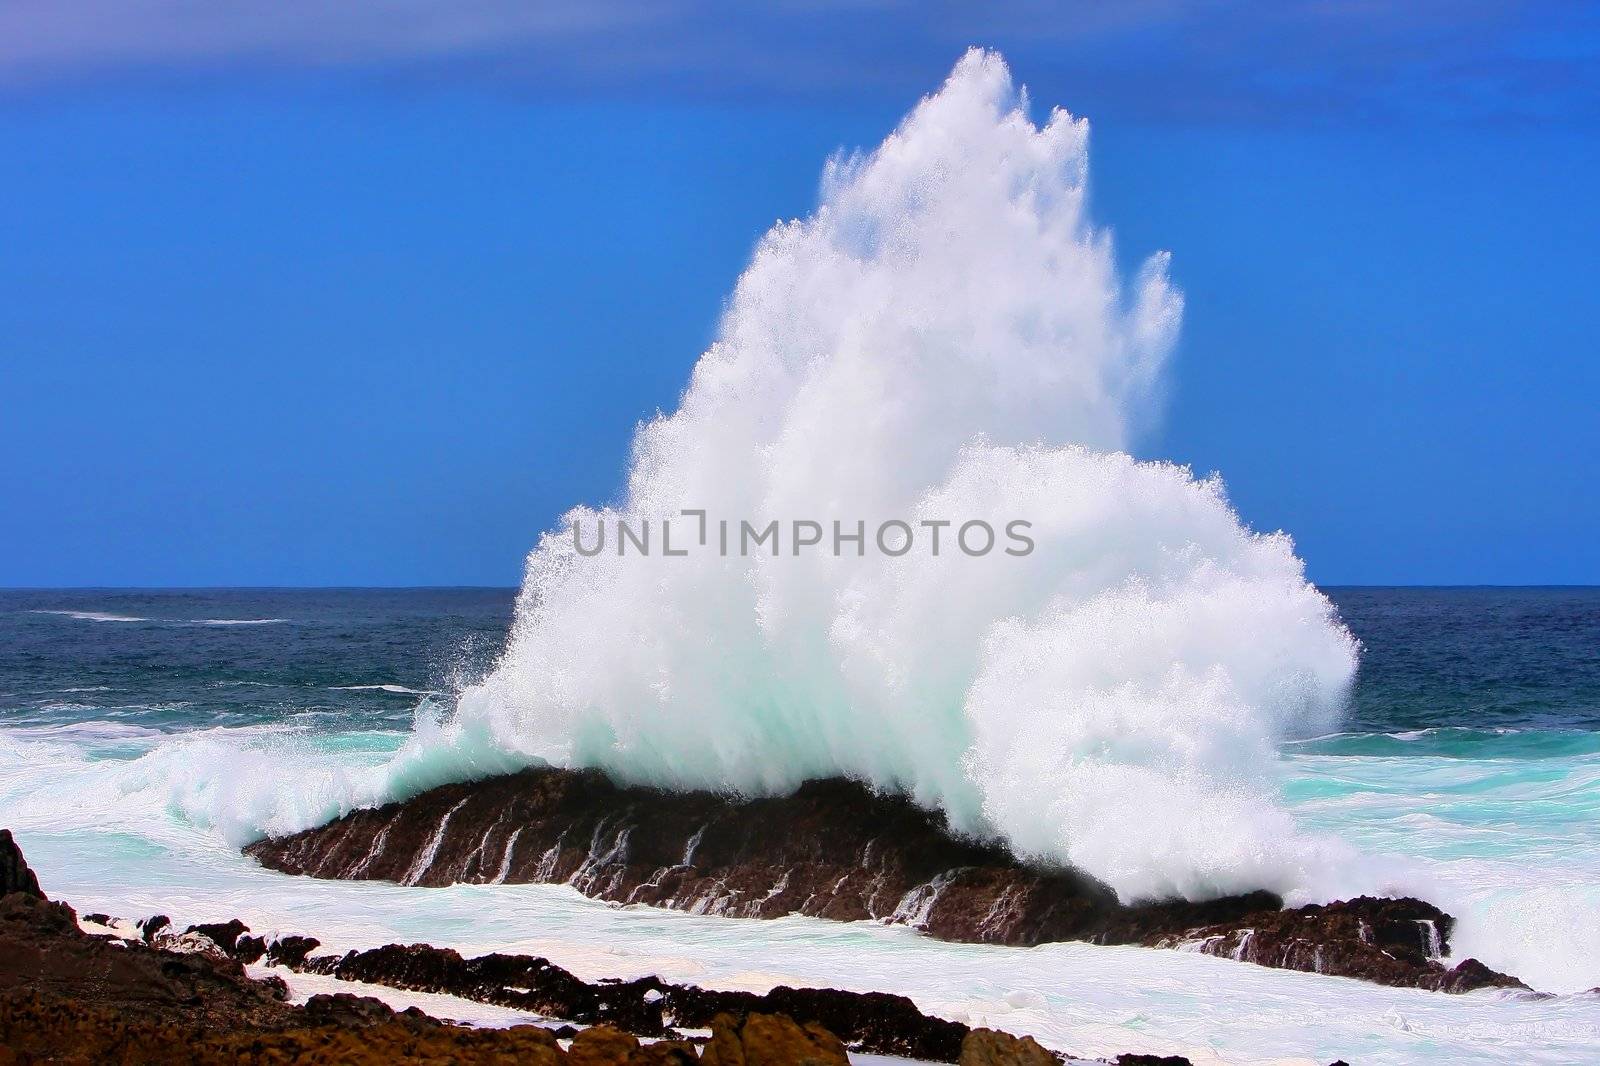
(1389, 941)
(770, 1040)
(137, 993)
(989, 1047)
(14, 873)
(835, 849)
(875, 1022)
(43, 951)
(112, 990)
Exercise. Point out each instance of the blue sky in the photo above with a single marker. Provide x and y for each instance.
(369, 294)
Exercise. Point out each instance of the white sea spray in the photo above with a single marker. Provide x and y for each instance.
(945, 338)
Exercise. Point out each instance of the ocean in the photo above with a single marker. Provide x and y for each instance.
(1151, 692)
(144, 735)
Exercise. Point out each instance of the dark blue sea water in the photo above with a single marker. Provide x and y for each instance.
(1486, 658)
(175, 659)
(1476, 658)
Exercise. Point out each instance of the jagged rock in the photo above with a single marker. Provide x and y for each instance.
(39, 1028)
(193, 943)
(1388, 941)
(147, 1002)
(223, 934)
(249, 949)
(1152, 1060)
(1470, 974)
(875, 1022)
(358, 1012)
(887, 1023)
(43, 951)
(602, 1045)
(770, 1040)
(149, 927)
(15, 876)
(290, 951)
(835, 849)
(988, 1047)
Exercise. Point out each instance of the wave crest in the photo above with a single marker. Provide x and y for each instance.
(1113, 700)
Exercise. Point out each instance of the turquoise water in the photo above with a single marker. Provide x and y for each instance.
(143, 734)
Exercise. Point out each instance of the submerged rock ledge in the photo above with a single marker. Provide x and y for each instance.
(835, 849)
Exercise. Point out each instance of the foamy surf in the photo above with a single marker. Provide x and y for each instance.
(397, 690)
(1087, 999)
(107, 616)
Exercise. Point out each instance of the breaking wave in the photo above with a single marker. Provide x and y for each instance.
(946, 338)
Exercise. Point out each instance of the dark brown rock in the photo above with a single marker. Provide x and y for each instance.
(770, 1040)
(249, 949)
(836, 849)
(602, 1045)
(1470, 974)
(1388, 941)
(42, 950)
(277, 986)
(44, 1028)
(886, 1023)
(223, 934)
(149, 927)
(290, 951)
(148, 1001)
(989, 1047)
(15, 876)
(342, 1008)
(876, 1022)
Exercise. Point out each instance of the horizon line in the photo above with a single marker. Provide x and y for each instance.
(518, 588)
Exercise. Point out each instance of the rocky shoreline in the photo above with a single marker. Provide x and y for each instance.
(107, 990)
(835, 849)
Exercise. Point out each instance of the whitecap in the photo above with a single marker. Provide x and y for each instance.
(239, 621)
(92, 616)
(400, 690)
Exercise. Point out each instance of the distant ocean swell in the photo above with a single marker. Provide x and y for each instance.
(104, 616)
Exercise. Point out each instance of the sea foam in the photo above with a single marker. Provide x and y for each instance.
(945, 338)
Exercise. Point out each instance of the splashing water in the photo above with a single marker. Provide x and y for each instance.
(946, 338)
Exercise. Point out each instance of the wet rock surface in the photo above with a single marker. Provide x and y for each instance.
(140, 990)
(1389, 941)
(762, 1039)
(835, 849)
(875, 1022)
(42, 1028)
(14, 873)
(43, 952)
(989, 1047)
